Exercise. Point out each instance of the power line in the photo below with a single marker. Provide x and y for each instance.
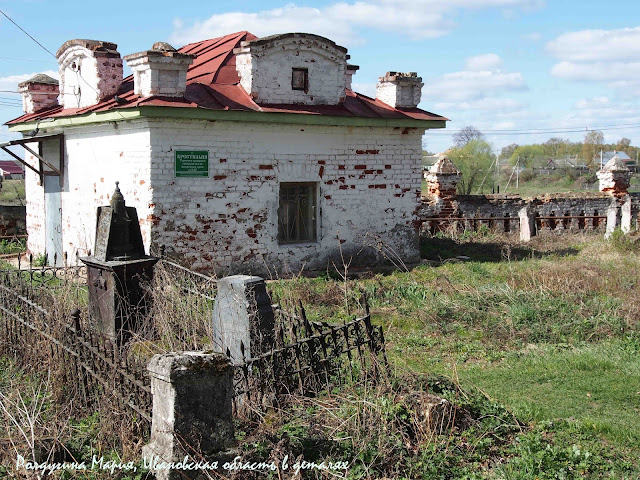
(543, 131)
(27, 34)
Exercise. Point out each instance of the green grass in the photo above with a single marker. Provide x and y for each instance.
(551, 330)
(12, 192)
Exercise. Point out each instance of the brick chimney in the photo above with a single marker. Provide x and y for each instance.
(39, 92)
(350, 71)
(400, 90)
(160, 71)
(90, 70)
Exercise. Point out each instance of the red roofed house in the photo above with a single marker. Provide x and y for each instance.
(11, 170)
(240, 153)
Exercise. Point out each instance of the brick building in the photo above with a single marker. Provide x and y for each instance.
(240, 153)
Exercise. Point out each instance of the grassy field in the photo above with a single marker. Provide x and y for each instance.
(12, 192)
(550, 331)
(537, 346)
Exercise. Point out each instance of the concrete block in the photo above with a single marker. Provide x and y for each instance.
(192, 410)
(243, 315)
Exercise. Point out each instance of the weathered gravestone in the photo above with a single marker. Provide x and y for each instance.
(117, 271)
(243, 319)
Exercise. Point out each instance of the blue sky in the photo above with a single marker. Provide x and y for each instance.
(505, 66)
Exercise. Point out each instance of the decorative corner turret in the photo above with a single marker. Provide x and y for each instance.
(614, 177)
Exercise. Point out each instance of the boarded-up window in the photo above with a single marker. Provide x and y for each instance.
(297, 213)
(300, 79)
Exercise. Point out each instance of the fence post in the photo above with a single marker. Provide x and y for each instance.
(527, 224)
(625, 220)
(192, 411)
(613, 218)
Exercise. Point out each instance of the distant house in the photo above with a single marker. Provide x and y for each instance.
(10, 170)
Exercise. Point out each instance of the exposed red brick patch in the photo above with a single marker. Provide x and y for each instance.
(341, 167)
(321, 172)
(328, 197)
(388, 167)
(321, 162)
(329, 182)
(344, 187)
(266, 167)
(379, 172)
(353, 187)
(223, 160)
(368, 172)
(219, 177)
(378, 186)
(208, 195)
(360, 167)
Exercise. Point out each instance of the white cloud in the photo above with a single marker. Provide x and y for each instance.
(468, 85)
(340, 21)
(592, 102)
(11, 82)
(494, 105)
(597, 45)
(489, 61)
(611, 57)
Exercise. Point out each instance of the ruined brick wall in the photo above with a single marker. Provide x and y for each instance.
(507, 206)
(12, 220)
(368, 182)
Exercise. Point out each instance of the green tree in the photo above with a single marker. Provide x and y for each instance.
(528, 155)
(556, 147)
(507, 151)
(474, 160)
(593, 143)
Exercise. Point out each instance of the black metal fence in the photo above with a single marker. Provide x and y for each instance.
(310, 357)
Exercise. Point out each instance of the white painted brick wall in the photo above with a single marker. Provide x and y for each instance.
(265, 72)
(369, 182)
(96, 156)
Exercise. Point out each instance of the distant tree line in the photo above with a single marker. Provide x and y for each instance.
(474, 156)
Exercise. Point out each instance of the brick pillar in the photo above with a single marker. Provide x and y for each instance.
(442, 179)
(192, 411)
(614, 177)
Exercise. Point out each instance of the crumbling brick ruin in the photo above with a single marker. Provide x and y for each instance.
(443, 209)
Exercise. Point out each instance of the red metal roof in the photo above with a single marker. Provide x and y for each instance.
(9, 166)
(213, 83)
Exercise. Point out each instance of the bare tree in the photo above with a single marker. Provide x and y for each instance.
(466, 135)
